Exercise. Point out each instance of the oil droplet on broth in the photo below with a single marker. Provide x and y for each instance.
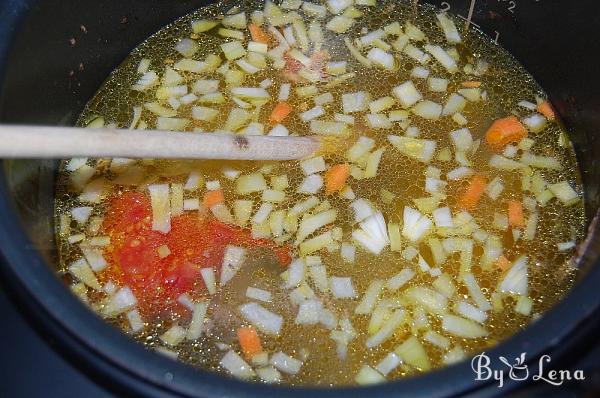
(506, 83)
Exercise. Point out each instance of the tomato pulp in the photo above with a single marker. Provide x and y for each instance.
(193, 243)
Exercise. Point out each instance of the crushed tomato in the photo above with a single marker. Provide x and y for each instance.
(193, 242)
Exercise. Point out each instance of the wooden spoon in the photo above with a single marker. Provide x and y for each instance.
(66, 142)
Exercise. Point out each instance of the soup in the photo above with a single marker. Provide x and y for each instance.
(440, 217)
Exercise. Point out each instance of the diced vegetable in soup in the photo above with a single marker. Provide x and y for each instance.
(441, 216)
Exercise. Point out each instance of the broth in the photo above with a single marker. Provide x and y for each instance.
(498, 83)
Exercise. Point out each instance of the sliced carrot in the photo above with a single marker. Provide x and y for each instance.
(258, 34)
(504, 131)
(471, 84)
(335, 178)
(280, 112)
(471, 196)
(503, 263)
(546, 109)
(515, 214)
(249, 341)
(212, 198)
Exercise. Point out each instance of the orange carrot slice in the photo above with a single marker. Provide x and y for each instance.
(258, 34)
(280, 112)
(515, 214)
(503, 263)
(471, 196)
(546, 109)
(249, 341)
(335, 178)
(505, 131)
(212, 198)
(471, 84)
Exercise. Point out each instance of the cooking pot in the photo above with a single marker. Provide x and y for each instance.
(55, 54)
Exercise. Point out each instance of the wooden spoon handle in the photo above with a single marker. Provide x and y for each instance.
(67, 142)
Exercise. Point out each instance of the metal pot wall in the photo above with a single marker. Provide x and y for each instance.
(46, 78)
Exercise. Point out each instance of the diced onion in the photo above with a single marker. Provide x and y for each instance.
(462, 327)
(367, 375)
(235, 365)
(208, 276)
(233, 259)
(341, 287)
(265, 320)
(285, 363)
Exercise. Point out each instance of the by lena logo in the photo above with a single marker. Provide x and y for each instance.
(519, 371)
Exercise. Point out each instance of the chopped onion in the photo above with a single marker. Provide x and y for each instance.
(208, 276)
(416, 225)
(502, 163)
(413, 353)
(524, 305)
(173, 336)
(431, 300)
(250, 183)
(449, 28)
(469, 311)
(387, 329)
(258, 294)
(81, 270)
(564, 246)
(312, 223)
(94, 257)
(309, 312)
(515, 280)
(475, 292)
(321, 127)
(370, 297)
(436, 339)
(81, 214)
(235, 365)
(462, 327)
(442, 57)
(564, 192)
(284, 362)
(355, 102)
(390, 362)
(535, 122)
(407, 94)
(415, 148)
(317, 243)
(161, 210)
(373, 233)
(378, 121)
(367, 375)
(135, 321)
(381, 58)
(311, 184)
(122, 301)
(147, 80)
(360, 148)
(233, 259)
(541, 162)
(339, 24)
(197, 323)
(269, 374)
(341, 287)
(427, 110)
(265, 320)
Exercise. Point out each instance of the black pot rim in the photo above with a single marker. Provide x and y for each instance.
(111, 354)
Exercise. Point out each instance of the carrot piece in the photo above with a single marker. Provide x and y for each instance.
(249, 341)
(503, 263)
(471, 84)
(471, 196)
(515, 214)
(258, 34)
(335, 178)
(546, 109)
(280, 112)
(212, 198)
(504, 131)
